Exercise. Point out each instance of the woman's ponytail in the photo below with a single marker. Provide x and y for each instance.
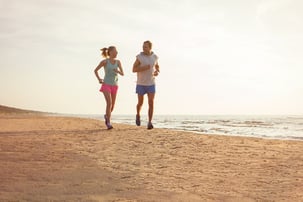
(104, 52)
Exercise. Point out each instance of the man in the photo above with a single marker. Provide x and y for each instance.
(147, 68)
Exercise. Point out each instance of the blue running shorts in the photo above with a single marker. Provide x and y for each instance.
(141, 90)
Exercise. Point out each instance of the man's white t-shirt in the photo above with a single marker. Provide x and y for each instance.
(147, 78)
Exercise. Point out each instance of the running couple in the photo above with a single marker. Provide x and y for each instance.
(146, 66)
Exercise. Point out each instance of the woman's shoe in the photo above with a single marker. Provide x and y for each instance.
(107, 123)
(106, 120)
(109, 126)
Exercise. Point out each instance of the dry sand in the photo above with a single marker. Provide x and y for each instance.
(47, 158)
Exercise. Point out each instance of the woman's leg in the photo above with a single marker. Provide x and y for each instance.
(108, 99)
(113, 96)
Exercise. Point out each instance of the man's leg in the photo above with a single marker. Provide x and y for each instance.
(139, 106)
(151, 97)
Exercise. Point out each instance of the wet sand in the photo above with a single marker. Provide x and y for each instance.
(49, 158)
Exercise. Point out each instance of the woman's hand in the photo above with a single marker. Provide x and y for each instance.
(118, 72)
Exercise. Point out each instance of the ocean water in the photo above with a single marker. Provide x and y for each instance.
(276, 127)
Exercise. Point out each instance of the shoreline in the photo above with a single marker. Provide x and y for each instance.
(68, 158)
(100, 118)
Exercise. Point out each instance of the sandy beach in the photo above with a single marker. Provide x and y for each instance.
(53, 158)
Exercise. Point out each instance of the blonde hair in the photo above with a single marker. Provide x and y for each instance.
(148, 43)
(106, 51)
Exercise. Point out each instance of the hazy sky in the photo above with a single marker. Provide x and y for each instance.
(216, 57)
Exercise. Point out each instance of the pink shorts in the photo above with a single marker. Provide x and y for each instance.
(109, 88)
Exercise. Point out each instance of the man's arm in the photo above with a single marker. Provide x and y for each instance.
(157, 67)
(137, 68)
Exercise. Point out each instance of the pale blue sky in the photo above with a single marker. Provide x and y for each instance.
(216, 57)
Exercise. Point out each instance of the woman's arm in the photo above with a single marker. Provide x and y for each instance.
(137, 68)
(120, 69)
(101, 64)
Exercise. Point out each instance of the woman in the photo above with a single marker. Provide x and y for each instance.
(112, 67)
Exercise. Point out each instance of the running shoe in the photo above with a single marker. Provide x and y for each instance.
(150, 126)
(138, 121)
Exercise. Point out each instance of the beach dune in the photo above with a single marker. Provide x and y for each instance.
(53, 158)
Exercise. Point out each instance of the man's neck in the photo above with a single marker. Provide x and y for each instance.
(148, 53)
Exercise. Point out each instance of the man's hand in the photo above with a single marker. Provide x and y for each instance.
(146, 67)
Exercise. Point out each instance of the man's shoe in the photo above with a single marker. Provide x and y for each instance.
(138, 121)
(150, 126)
